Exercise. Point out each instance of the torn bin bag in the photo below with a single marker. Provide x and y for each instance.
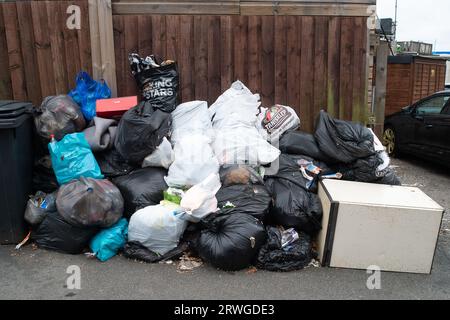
(90, 202)
(275, 256)
(140, 131)
(231, 242)
(55, 233)
(247, 199)
(38, 206)
(141, 188)
(158, 81)
(343, 141)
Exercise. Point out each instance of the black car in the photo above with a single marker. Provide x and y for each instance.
(422, 129)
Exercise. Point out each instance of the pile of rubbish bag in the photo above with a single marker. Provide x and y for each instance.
(169, 178)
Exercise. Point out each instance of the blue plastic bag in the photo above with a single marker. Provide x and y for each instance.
(72, 158)
(108, 242)
(87, 92)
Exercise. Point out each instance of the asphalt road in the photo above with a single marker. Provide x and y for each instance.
(38, 274)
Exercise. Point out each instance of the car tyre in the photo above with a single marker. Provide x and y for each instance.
(390, 141)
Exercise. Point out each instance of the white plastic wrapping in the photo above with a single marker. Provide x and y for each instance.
(237, 139)
(158, 228)
(163, 156)
(194, 161)
(200, 200)
(190, 118)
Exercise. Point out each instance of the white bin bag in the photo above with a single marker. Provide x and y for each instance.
(158, 228)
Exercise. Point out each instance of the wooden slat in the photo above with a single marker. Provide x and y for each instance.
(186, 59)
(158, 36)
(281, 61)
(201, 57)
(333, 68)
(162, 7)
(306, 74)
(213, 58)
(5, 77)
(144, 35)
(268, 64)
(16, 65)
(84, 39)
(320, 63)
(72, 49)
(293, 56)
(28, 52)
(305, 9)
(254, 53)
(226, 52)
(120, 55)
(346, 74)
(131, 45)
(56, 21)
(240, 48)
(172, 28)
(107, 44)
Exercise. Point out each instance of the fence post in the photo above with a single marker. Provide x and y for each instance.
(102, 42)
(380, 87)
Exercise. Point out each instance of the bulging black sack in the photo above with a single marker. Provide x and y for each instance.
(293, 205)
(302, 143)
(88, 202)
(55, 233)
(244, 188)
(343, 141)
(158, 84)
(295, 256)
(140, 131)
(231, 242)
(142, 188)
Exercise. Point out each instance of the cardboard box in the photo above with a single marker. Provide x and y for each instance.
(392, 227)
(115, 107)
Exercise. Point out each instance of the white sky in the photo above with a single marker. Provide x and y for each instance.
(420, 20)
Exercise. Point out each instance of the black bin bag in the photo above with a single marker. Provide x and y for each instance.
(243, 189)
(54, 233)
(136, 251)
(112, 164)
(295, 256)
(140, 131)
(157, 80)
(231, 242)
(88, 202)
(142, 188)
(58, 116)
(343, 141)
(294, 206)
(302, 143)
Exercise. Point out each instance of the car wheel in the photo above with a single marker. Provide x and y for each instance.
(389, 141)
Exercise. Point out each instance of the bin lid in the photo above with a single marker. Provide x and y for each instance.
(12, 109)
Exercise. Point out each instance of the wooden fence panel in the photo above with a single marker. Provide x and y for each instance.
(41, 55)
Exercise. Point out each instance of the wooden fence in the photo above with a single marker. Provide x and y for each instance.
(307, 54)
